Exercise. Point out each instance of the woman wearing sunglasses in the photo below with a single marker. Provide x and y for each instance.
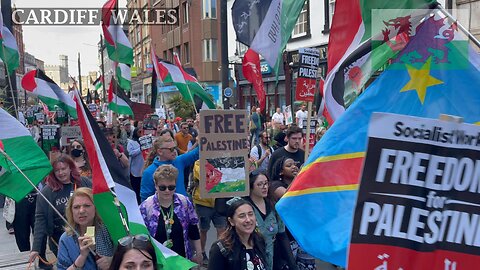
(77, 252)
(278, 252)
(170, 217)
(134, 252)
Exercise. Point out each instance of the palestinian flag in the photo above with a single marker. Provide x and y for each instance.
(17, 142)
(123, 76)
(118, 102)
(109, 184)
(364, 35)
(268, 27)
(118, 46)
(39, 84)
(155, 76)
(9, 49)
(98, 83)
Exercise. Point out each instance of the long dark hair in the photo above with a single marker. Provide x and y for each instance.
(253, 178)
(277, 168)
(135, 135)
(230, 237)
(85, 154)
(145, 247)
(52, 181)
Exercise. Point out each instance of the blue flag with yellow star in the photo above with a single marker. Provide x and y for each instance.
(436, 73)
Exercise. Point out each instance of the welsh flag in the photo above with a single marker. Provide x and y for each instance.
(364, 35)
(17, 142)
(110, 185)
(188, 85)
(123, 76)
(118, 46)
(39, 84)
(118, 102)
(9, 50)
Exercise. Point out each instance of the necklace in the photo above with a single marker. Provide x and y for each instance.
(168, 222)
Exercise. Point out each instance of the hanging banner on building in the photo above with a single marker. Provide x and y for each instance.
(50, 138)
(418, 202)
(308, 62)
(223, 153)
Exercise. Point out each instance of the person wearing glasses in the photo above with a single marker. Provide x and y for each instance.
(241, 246)
(79, 156)
(170, 217)
(60, 184)
(278, 253)
(165, 150)
(134, 252)
(76, 252)
(261, 153)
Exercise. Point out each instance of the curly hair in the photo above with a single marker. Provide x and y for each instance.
(165, 172)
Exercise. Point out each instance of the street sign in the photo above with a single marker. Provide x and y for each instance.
(228, 92)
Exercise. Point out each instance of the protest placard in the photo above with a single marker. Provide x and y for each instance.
(150, 123)
(50, 138)
(146, 142)
(309, 60)
(417, 205)
(60, 116)
(223, 153)
(69, 133)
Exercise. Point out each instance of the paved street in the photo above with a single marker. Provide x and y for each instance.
(12, 259)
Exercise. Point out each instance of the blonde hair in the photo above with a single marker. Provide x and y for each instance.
(157, 144)
(165, 172)
(79, 192)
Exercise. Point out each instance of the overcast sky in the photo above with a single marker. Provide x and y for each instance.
(48, 42)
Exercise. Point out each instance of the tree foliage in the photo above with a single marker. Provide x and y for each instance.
(181, 108)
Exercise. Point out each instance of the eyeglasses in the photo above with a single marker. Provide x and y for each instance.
(169, 148)
(127, 240)
(163, 188)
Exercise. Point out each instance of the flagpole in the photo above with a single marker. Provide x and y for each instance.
(464, 30)
(188, 88)
(43, 196)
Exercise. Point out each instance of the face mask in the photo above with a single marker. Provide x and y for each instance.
(77, 152)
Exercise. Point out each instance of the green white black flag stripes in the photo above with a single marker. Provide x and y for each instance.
(8, 49)
(118, 46)
(123, 76)
(118, 103)
(109, 182)
(17, 142)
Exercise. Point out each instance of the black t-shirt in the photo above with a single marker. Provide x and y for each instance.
(253, 261)
(298, 157)
(176, 235)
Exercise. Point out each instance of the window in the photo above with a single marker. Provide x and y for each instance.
(138, 34)
(302, 26)
(210, 50)
(329, 11)
(241, 49)
(170, 55)
(186, 12)
(165, 55)
(177, 50)
(209, 9)
(186, 52)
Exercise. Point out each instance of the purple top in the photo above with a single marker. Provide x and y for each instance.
(183, 209)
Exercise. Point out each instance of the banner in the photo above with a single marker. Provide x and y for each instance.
(69, 133)
(417, 205)
(50, 138)
(146, 142)
(224, 151)
(309, 59)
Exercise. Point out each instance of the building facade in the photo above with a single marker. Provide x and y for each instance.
(59, 73)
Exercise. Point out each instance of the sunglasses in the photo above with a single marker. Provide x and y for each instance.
(163, 188)
(127, 240)
(169, 148)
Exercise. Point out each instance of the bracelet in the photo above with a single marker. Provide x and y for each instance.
(76, 267)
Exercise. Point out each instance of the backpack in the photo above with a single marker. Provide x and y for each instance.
(260, 149)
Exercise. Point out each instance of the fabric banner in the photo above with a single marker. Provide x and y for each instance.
(417, 205)
(223, 153)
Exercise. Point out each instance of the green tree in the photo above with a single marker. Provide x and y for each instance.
(181, 108)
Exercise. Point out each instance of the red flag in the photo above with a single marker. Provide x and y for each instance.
(251, 71)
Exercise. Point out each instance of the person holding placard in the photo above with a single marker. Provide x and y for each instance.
(75, 252)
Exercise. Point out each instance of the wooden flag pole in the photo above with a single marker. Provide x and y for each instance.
(307, 135)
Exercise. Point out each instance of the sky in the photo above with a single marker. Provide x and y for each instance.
(48, 42)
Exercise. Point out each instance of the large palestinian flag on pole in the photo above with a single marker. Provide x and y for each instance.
(39, 84)
(17, 142)
(110, 184)
(123, 76)
(268, 26)
(118, 46)
(8, 49)
(118, 102)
